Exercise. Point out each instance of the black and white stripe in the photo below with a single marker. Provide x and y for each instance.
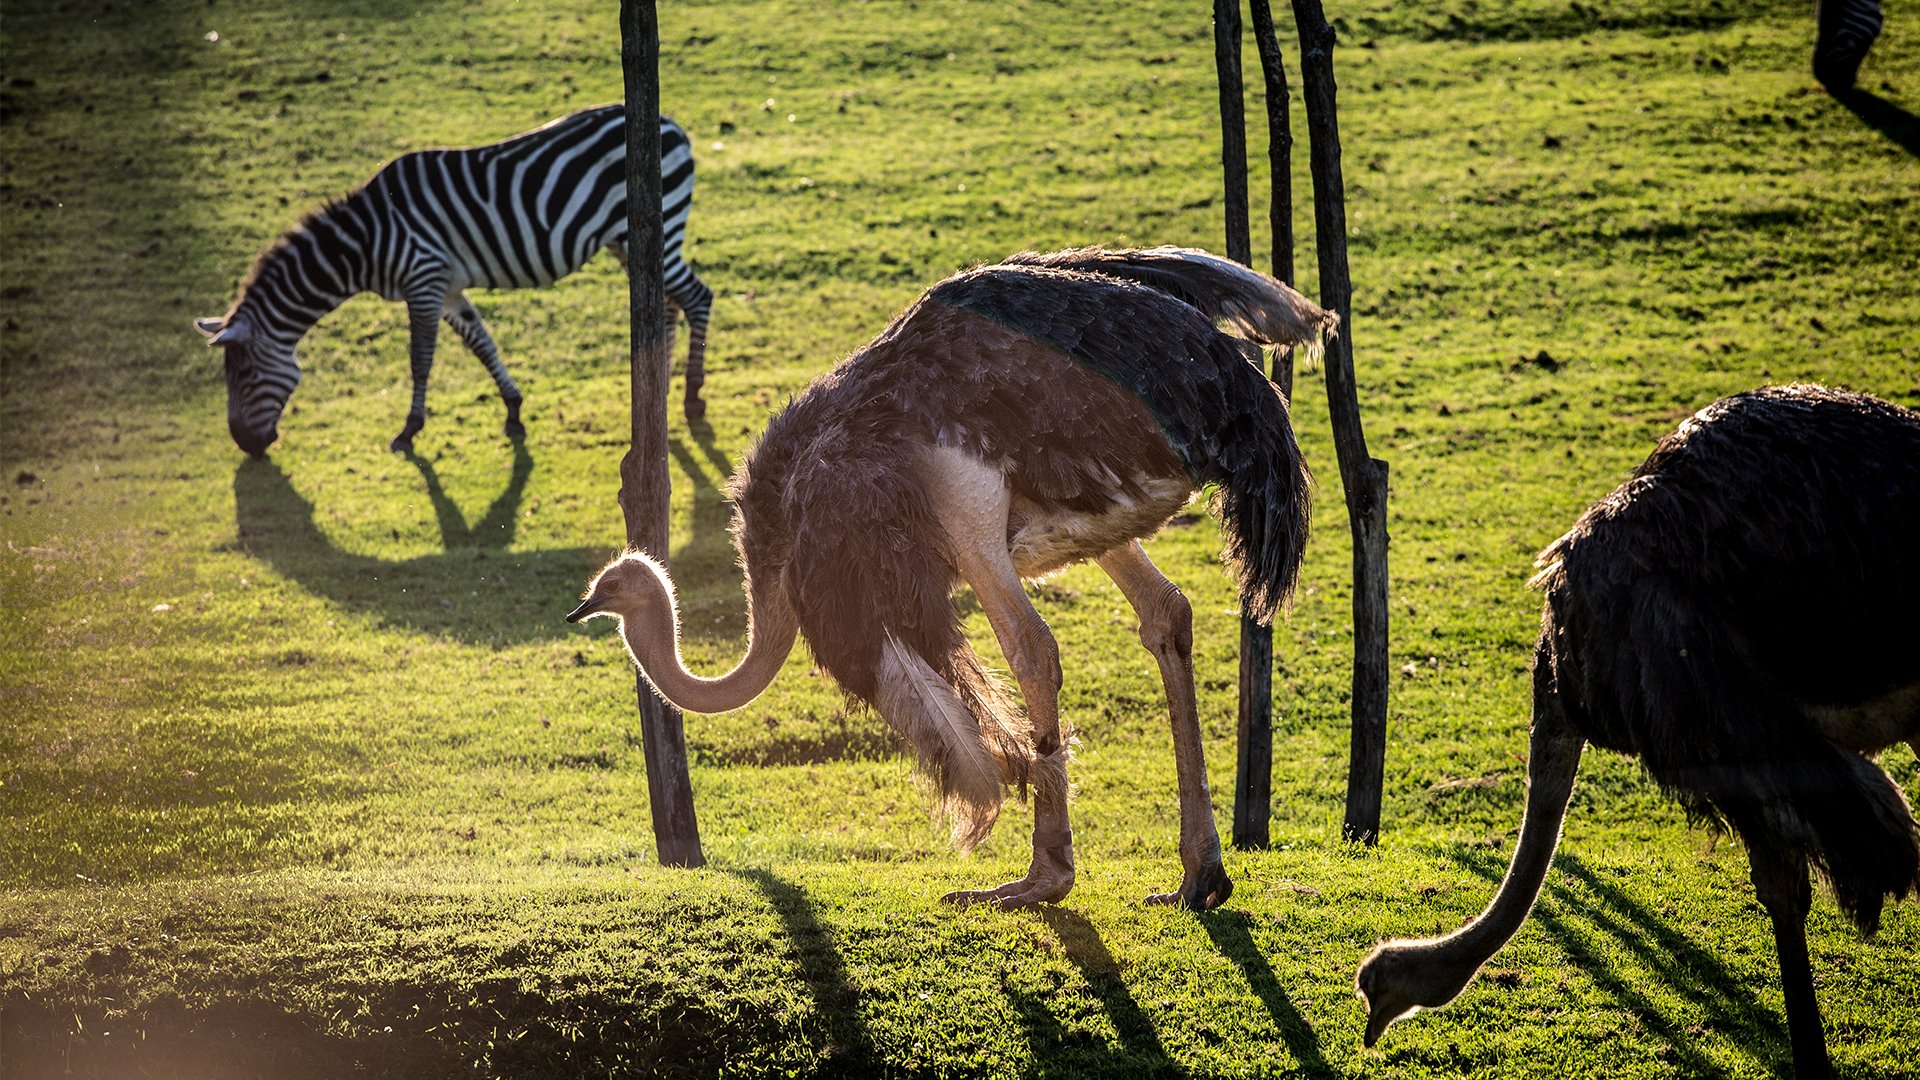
(520, 213)
(1847, 30)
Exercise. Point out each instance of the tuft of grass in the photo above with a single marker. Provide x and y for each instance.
(302, 773)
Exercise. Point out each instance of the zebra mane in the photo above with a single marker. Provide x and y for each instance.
(272, 251)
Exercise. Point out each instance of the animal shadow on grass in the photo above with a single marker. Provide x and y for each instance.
(1228, 929)
(1576, 923)
(849, 1049)
(474, 590)
(1896, 123)
(1059, 1052)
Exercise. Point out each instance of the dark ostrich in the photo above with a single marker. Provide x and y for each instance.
(1017, 418)
(1741, 616)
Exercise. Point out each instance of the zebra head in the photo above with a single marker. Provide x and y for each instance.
(261, 374)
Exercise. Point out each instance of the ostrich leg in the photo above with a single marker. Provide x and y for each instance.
(1166, 629)
(972, 500)
(1035, 660)
(1783, 888)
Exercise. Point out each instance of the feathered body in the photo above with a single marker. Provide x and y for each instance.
(1743, 616)
(1102, 401)
(1016, 418)
(1728, 610)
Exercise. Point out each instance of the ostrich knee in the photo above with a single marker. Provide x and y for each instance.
(1034, 656)
(1166, 626)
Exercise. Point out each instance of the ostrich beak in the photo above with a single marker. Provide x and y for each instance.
(587, 607)
(1378, 1020)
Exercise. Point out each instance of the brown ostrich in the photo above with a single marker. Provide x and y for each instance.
(1016, 419)
(1740, 615)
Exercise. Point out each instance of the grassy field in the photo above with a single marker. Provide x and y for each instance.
(302, 773)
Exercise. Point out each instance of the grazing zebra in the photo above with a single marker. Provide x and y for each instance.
(431, 224)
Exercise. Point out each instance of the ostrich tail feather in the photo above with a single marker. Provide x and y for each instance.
(1003, 726)
(954, 753)
(1260, 307)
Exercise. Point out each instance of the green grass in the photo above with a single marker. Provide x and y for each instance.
(302, 773)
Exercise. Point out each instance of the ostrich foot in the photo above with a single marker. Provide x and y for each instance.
(1202, 890)
(1014, 894)
(1048, 881)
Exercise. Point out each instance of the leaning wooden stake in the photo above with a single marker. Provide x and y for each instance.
(1364, 476)
(644, 484)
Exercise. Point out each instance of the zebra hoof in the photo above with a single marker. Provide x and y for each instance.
(401, 444)
(696, 410)
(515, 429)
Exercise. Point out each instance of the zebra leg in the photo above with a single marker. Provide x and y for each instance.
(1847, 29)
(465, 320)
(423, 323)
(692, 296)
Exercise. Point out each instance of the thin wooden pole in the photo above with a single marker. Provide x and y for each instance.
(644, 483)
(1279, 168)
(1253, 773)
(1253, 759)
(1233, 128)
(1364, 476)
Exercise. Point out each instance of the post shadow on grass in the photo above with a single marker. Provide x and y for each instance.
(704, 565)
(1145, 1056)
(1896, 123)
(849, 1049)
(474, 590)
(1228, 929)
(1691, 971)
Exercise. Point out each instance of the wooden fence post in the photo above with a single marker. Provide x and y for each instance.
(1253, 760)
(1364, 476)
(1253, 772)
(1279, 169)
(644, 483)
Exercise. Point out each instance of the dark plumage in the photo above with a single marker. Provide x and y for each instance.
(1741, 616)
(1764, 561)
(1017, 418)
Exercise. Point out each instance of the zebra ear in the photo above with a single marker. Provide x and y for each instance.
(224, 332)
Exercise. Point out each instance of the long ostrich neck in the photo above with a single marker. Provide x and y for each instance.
(1553, 757)
(771, 629)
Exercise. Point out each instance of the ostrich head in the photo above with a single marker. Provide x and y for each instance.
(1403, 977)
(636, 590)
(632, 588)
(261, 374)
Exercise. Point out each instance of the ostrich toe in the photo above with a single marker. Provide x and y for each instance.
(1201, 890)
